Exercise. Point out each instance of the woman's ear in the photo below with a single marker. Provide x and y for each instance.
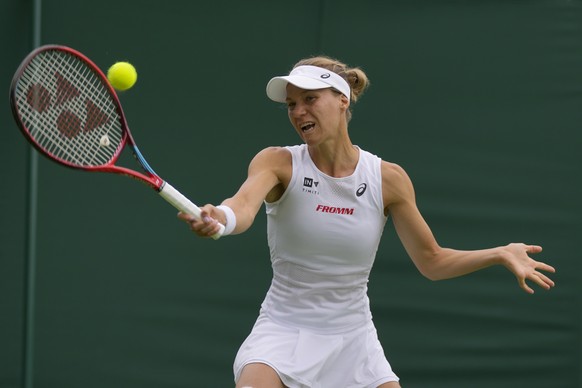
(344, 102)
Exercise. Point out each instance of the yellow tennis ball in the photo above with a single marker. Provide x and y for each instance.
(122, 75)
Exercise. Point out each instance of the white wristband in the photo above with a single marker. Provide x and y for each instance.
(230, 219)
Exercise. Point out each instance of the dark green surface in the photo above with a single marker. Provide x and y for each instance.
(479, 101)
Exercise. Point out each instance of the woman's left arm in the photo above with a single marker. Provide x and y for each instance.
(436, 262)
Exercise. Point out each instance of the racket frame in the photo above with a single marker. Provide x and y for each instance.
(149, 177)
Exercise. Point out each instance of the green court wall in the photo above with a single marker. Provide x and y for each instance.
(480, 102)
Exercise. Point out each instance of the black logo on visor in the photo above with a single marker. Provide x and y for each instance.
(326, 75)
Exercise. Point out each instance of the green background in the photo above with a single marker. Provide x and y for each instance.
(480, 101)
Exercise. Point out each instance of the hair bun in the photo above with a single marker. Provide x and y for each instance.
(355, 77)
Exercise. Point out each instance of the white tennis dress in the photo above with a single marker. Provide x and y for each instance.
(315, 326)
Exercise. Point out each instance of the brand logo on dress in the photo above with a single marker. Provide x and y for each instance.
(361, 190)
(308, 184)
(335, 210)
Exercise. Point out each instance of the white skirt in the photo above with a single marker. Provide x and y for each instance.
(304, 359)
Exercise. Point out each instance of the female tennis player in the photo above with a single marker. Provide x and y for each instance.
(327, 202)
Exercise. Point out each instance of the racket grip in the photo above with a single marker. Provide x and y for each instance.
(183, 204)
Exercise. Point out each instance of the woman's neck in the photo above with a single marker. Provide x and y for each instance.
(337, 159)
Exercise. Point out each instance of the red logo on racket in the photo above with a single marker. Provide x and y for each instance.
(68, 122)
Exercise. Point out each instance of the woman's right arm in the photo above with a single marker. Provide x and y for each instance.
(268, 175)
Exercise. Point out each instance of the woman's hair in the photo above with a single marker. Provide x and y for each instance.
(354, 76)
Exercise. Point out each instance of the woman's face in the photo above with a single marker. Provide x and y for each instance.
(316, 115)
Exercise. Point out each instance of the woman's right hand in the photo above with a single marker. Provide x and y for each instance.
(208, 225)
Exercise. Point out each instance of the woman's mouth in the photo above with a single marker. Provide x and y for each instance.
(307, 126)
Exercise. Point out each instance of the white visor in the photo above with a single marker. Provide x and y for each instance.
(306, 77)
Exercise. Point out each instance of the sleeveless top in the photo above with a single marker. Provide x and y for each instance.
(323, 234)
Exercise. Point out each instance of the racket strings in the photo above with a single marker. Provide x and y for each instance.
(68, 111)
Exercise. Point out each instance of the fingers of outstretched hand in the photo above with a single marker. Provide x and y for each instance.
(520, 248)
(545, 267)
(538, 278)
(527, 269)
(524, 286)
(533, 249)
(543, 280)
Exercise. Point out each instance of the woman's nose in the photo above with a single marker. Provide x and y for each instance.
(298, 110)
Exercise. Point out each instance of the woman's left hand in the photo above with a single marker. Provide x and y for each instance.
(516, 258)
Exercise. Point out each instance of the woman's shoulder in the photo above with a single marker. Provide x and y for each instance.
(277, 162)
(392, 173)
(274, 154)
(392, 170)
(274, 158)
(395, 180)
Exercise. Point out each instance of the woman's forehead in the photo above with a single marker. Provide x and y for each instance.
(297, 91)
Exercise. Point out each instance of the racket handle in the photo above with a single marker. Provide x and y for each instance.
(180, 202)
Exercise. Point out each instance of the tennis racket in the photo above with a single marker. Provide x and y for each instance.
(66, 108)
